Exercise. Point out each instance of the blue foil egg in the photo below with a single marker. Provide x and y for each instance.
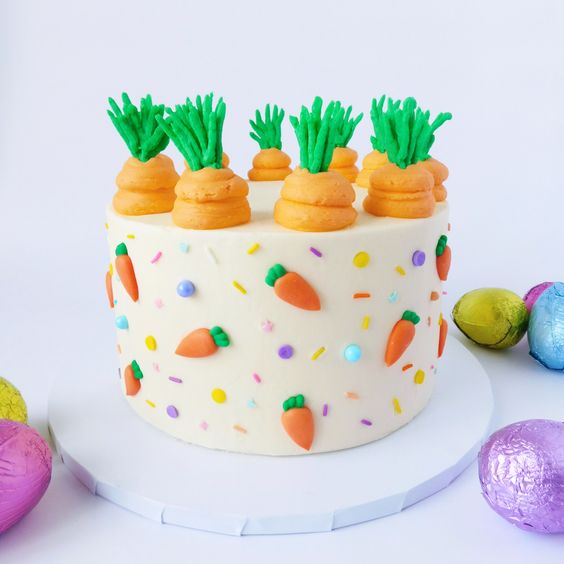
(546, 328)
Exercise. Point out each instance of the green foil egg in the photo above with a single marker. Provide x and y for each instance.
(491, 317)
(12, 404)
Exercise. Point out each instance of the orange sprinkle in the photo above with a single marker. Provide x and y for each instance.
(118, 347)
(351, 395)
(359, 295)
(429, 321)
(434, 296)
(449, 226)
(407, 367)
(239, 429)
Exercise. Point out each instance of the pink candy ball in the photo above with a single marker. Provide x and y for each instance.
(534, 293)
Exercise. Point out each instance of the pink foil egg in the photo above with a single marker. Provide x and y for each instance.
(25, 471)
(533, 294)
(521, 469)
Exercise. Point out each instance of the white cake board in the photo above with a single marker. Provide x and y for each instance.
(119, 457)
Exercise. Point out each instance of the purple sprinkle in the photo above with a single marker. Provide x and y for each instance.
(418, 258)
(285, 352)
(175, 379)
(366, 422)
(325, 409)
(316, 252)
(172, 411)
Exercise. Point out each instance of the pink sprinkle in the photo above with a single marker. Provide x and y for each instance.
(267, 326)
(159, 303)
(445, 293)
(325, 409)
(156, 257)
(156, 367)
(257, 378)
(175, 379)
(432, 366)
(366, 422)
(316, 252)
(204, 426)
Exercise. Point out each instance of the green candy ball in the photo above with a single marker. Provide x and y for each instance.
(12, 404)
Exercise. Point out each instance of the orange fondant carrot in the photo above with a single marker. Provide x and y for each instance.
(125, 271)
(109, 288)
(444, 255)
(132, 378)
(202, 342)
(400, 337)
(297, 421)
(292, 288)
(443, 330)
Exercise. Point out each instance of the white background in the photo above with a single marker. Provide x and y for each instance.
(497, 66)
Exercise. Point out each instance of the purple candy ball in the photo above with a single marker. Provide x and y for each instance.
(25, 471)
(285, 352)
(534, 294)
(521, 469)
(418, 258)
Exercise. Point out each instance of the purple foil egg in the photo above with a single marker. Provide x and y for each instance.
(533, 294)
(25, 471)
(521, 469)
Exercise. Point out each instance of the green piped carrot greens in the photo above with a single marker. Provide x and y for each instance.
(346, 128)
(267, 130)
(196, 130)
(138, 127)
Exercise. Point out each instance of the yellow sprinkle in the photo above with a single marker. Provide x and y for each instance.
(351, 395)
(151, 343)
(239, 287)
(131, 236)
(106, 226)
(111, 269)
(419, 377)
(400, 270)
(150, 403)
(397, 406)
(317, 353)
(253, 248)
(365, 322)
(361, 259)
(218, 395)
(440, 318)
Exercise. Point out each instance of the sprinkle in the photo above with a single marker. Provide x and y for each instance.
(393, 297)
(419, 377)
(185, 288)
(397, 406)
(448, 228)
(218, 395)
(106, 225)
(434, 296)
(317, 353)
(204, 426)
(361, 259)
(253, 248)
(407, 367)
(432, 366)
(257, 378)
(119, 373)
(239, 287)
(151, 343)
(159, 303)
(316, 252)
(157, 257)
(121, 322)
(351, 395)
(211, 255)
(360, 295)
(267, 326)
(325, 410)
(365, 322)
(156, 367)
(285, 352)
(418, 258)
(150, 403)
(440, 320)
(130, 236)
(184, 247)
(239, 429)
(111, 269)
(400, 270)
(352, 353)
(429, 321)
(444, 292)
(118, 347)
(175, 379)
(172, 411)
(251, 403)
(366, 422)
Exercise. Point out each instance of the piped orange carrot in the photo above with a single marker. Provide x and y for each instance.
(443, 330)
(444, 256)
(297, 421)
(132, 378)
(401, 336)
(126, 272)
(202, 342)
(109, 289)
(292, 288)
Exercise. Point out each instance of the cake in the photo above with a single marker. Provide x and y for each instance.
(297, 313)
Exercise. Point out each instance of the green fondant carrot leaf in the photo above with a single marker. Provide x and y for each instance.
(267, 132)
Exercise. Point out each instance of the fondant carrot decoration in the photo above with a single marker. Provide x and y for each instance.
(132, 378)
(401, 336)
(443, 330)
(126, 273)
(202, 342)
(292, 288)
(109, 288)
(344, 158)
(297, 421)
(444, 256)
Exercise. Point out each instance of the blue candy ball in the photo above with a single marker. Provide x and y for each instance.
(352, 353)
(185, 288)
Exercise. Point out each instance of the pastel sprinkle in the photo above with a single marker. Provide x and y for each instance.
(257, 378)
(185, 288)
(429, 321)
(317, 353)
(184, 247)
(130, 236)
(218, 395)
(151, 343)
(407, 367)
(325, 410)
(149, 402)
(351, 395)
(366, 422)
(316, 252)
(239, 287)
(418, 258)
(419, 377)
(251, 403)
(435, 296)
(285, 352)
(172, 411)
(397, 406)
(106, 225)
(156, 367)
(118, 348)
(159, 303)
(121, 322)
(253, 248)
(393, 297)
(352, 353)
(267, 326)
(239, 429)
(211, 255)
(111, 269)
(366, 322)
(361, 259)
(361, 295)
(400, 270)
(175, 379)
(157, 257)
(204, 426)
(432, 366)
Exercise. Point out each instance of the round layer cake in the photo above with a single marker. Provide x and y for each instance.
(217, 355)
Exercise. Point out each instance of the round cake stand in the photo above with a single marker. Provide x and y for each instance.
(126, 461)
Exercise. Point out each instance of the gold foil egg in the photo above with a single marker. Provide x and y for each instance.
(491, 317)
(12, 404)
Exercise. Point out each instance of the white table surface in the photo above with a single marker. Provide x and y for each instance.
(497, 67)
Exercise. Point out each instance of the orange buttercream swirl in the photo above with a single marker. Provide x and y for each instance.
(344, 162)
(370, 163)
(270, 164)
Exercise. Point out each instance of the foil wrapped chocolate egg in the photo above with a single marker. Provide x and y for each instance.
(491, 317)
(534, 293)
(546, 328)
(521, 470)
(12, 404)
